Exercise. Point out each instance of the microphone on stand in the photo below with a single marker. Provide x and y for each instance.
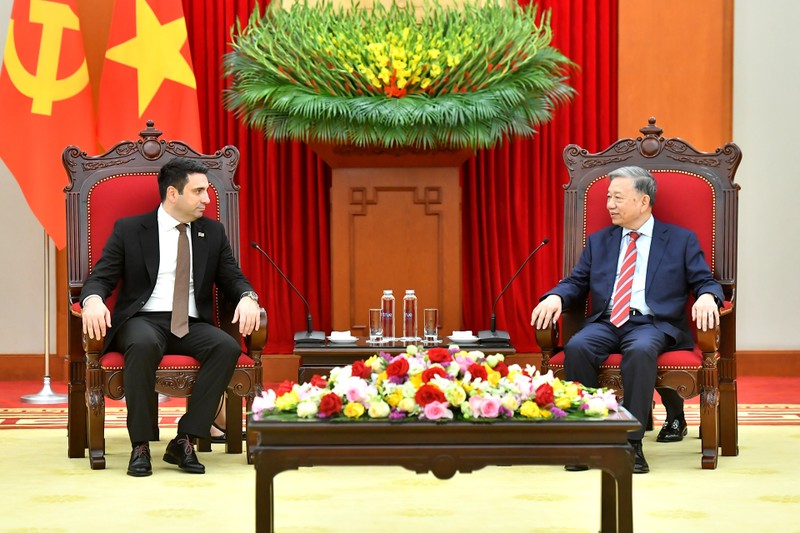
(492, 336)
(301, 337)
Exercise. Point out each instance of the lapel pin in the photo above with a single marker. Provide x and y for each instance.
(201, 234)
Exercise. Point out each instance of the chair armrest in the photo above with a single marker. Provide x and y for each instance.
(547, 338)
(255, 341)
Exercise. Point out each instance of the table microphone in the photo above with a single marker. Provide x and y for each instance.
(493, 336)
(301, 337)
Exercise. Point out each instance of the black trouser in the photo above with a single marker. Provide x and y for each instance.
(640, 343)
(144, 339)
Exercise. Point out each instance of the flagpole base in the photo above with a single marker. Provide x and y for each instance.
(44, 396)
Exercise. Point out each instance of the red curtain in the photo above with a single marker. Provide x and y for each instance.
(512, 195)
(284, 187)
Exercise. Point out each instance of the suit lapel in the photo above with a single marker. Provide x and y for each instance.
(610, 256)
(658, 246)
(199, 252)
(148, 240)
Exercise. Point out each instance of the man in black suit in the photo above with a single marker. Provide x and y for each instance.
(639, 272)
(156, 268)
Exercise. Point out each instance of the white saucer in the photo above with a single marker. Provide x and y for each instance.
(464, 340)
(342, 340)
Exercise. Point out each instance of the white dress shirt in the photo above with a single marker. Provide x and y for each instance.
(161, 299)
(640, 272)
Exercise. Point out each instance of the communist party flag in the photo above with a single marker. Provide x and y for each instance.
(46, 104)
(148, 74)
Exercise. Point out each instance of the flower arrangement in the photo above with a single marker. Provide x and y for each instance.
(449, 77)
(438, 384)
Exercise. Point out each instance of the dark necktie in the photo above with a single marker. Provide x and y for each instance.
(180, 295)
(622, 293)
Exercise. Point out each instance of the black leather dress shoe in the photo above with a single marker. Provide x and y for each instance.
(640, 465)
(180, 451)
(673, 430)
(139, 465)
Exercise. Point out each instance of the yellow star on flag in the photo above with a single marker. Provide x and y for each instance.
(155, 52)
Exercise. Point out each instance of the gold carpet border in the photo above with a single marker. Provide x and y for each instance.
(56, 417)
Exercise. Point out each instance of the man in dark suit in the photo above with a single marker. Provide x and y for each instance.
(166, 263)
(639, 272)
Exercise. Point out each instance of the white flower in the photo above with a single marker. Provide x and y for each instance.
(596, 406)
(307, 409)
(379, 409)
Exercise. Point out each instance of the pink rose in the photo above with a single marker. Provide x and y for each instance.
(490, 407)
(437, 410)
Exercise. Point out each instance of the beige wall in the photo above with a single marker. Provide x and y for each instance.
(766, 114)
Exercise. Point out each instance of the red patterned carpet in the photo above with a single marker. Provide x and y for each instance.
(763, 401)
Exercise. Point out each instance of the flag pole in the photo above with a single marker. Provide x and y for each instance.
(46, 395)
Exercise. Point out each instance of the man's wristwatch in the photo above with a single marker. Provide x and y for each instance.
(251, 294)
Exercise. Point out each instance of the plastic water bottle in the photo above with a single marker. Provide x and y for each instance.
(410, 316)
(387, 315)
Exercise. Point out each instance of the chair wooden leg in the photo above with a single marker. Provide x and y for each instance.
(96, 410)
(709, 420)
(728, 419)
(76, 411)
(233, 422)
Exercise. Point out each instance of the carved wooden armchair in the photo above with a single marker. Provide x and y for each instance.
(696, 191)
(103, 188)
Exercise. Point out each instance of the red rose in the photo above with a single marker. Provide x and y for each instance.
(397, 368)
(360, 370)
(329, 405)
(477, 371)
(502, 368)
(439, 355)
(284, 387)
(544, 394)
(428, 374)
(429, 393)
(319, 381)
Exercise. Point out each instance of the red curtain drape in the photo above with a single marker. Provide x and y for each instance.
(284, 187)
(512, 195)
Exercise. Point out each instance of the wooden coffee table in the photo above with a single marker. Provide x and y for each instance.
(447, 448)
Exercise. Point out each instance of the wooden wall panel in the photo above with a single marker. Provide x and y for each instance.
(676, 63)
(395, 228)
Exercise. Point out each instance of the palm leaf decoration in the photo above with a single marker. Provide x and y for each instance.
(448, 77)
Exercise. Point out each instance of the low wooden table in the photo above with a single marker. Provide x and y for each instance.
(447, 448)
(320, 359)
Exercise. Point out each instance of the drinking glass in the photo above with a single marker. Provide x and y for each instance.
(375, 325)
(430, 321)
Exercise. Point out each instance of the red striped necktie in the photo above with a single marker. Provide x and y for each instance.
(622, 293)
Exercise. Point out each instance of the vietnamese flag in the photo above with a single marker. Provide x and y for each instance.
(46, 104)
(148, 75)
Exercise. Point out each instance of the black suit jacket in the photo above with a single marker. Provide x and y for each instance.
(130, 258)
(675, 267)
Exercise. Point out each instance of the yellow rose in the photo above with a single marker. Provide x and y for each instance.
(395, 398)
(353, 410)
(287, 401)
(563, 402)
(529, 409)
(416, 380)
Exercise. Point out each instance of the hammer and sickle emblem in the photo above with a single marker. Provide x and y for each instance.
(44, 87)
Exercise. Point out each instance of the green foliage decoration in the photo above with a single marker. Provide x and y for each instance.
(447, 77)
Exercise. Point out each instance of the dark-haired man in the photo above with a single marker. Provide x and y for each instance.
(166, 263)
(639, 272)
